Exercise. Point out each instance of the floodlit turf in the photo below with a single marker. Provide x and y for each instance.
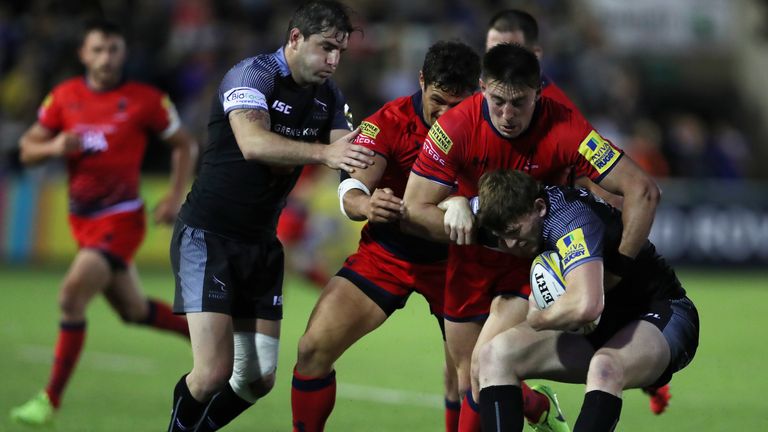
(391, 381)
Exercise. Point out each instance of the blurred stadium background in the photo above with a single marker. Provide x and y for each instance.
(679, 85)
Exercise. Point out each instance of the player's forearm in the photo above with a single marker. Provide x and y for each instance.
(638, 211)
(273, 149)
(33, 151)
(426, 221)
(356, 203)
(183, 160)
(569, 312)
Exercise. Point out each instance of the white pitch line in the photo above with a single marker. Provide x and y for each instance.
(390, 396)
(40, 354)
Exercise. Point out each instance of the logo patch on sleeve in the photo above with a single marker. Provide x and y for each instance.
(369, 129)
(572, 247)
(440, 138)
(47, 101)
(598, 152)
(244, 98)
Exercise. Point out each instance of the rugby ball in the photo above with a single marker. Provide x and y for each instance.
(548, 284)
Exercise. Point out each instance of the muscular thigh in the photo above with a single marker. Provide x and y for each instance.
(642, 351)
(343, 314)
(546, 354)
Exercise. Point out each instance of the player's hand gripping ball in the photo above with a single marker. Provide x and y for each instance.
(548, 284)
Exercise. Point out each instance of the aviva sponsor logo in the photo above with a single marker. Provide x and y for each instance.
(369, 129)
(440, 138)
(572, 247)
(598, 152)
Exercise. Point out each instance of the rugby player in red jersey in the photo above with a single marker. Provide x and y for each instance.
(99, 123)
(519, 27)
(509, 125)
(389, 265)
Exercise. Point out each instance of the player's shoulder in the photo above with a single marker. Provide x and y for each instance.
(464, 115)
(69, 85)
(261, 64)
(143, 89)
(393, 111)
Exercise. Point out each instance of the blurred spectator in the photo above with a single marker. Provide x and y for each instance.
(644, 147)
(687, 144)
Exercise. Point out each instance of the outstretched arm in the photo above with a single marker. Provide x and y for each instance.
(257, 142)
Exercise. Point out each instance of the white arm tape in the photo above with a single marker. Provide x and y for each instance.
(346, 186)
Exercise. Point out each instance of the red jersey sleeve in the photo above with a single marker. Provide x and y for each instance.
(590, 154)
(375, 136)
(162, 117)
(444, 147)
(49, 114)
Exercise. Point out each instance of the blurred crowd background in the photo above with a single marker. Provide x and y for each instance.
(664, 80)
(678, 85)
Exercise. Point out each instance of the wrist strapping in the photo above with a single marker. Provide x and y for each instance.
(347, 185)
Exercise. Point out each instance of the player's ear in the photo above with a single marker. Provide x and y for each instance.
(482, 85)
(421, 82)
(294, 36)
(540, 206)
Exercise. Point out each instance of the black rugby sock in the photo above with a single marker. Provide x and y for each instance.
(501, 408)
(599, 413)
(222, 409)
(187, 410)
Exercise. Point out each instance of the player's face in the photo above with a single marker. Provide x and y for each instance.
(495, 37)
(511, 108)
(318, 56)
(103, 56)
(437, 101)
(523, 236)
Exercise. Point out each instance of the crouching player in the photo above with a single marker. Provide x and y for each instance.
(648, 328)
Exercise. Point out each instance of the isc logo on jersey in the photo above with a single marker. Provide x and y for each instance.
(573, 247)
(598, 152)
(440, 138)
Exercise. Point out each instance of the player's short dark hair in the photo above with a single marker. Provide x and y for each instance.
(511, 20)
(320, 16)
(505, 196)
(101, 25)
(512, 65)
(452, 66)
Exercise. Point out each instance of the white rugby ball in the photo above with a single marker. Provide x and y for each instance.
(548, 284)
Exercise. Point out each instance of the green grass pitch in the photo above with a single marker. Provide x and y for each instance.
(390, 381)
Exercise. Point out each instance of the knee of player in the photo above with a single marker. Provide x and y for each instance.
(263, 385)
(210, 380)
(310, 351)
(494, 359)
(71, 304)
(605, 368)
